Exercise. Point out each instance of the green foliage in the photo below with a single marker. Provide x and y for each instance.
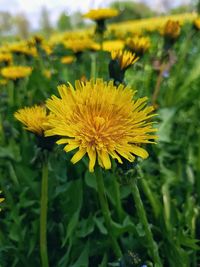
(63, 22)
(130, 10)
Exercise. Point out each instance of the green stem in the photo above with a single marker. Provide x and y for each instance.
(148, 192)
(118, 199)
(106, 212)
(11, 94)
(43, 214)
(93, 65)
(143, 218)
(2, 134)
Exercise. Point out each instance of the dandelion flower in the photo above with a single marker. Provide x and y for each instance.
(101, 14)
(113, 45)
(34, 118)
(138, 45)
(15, 72)
(81, 44)
(102, 121)
(5, 58)
(23, 48)
(172, 29)
(67, 59)
(47, 73)
(197, 23)
(125, 58)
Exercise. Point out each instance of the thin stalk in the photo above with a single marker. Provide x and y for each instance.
(143, 218)
(106, 212)
(11, 94)
(116, 188)
(2, 134)
(43, 214)
(158, 85)
(148, 192)
(93, 65)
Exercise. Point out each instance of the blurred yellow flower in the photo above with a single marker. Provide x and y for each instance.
(5, 57)
(101, 120)
(172, 29)
(125, 58)
(15, 72)
(113, 45)
(34, 118)
(47, 73)
(138, 45)
(47, 48)
(23, 48)
(101, 14)
(38, 39)
(197, 23)
(81, 44)
(67, 59)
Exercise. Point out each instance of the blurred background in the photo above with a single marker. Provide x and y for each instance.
(24, 17)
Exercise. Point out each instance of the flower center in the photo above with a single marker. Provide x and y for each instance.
(98, 122)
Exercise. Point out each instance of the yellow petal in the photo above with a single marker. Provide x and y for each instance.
(126, 155)
(115, 156)
(70, 147)
(78, 156)
(63, 141)
(105, 160)
(141, 152)
(92, 158)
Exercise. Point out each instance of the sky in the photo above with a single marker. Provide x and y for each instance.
(32, 8)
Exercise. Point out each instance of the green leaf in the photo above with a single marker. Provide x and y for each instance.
(164, 128)
(83, 260)
(140, 230)
(71, 227)
(90, 180)
(100, 225)
(86, 227)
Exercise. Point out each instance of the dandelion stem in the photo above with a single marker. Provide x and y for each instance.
(93, 65)
(43, 214)
(143, 218)
(11, 94)
(116, 187)
(158, 85)
(106, 212)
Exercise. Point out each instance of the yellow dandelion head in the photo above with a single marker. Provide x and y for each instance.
(101, 14)
(35, 119)
(23, 48)
(81, 44)
(137, 44)
(113, 45)
(125, 58)
(15, 72)
(67, 59)
(197, 23)
(102, 121)
(47, 48)
(5, 57)
(172, 29)
(47, 73)
(38, 39)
